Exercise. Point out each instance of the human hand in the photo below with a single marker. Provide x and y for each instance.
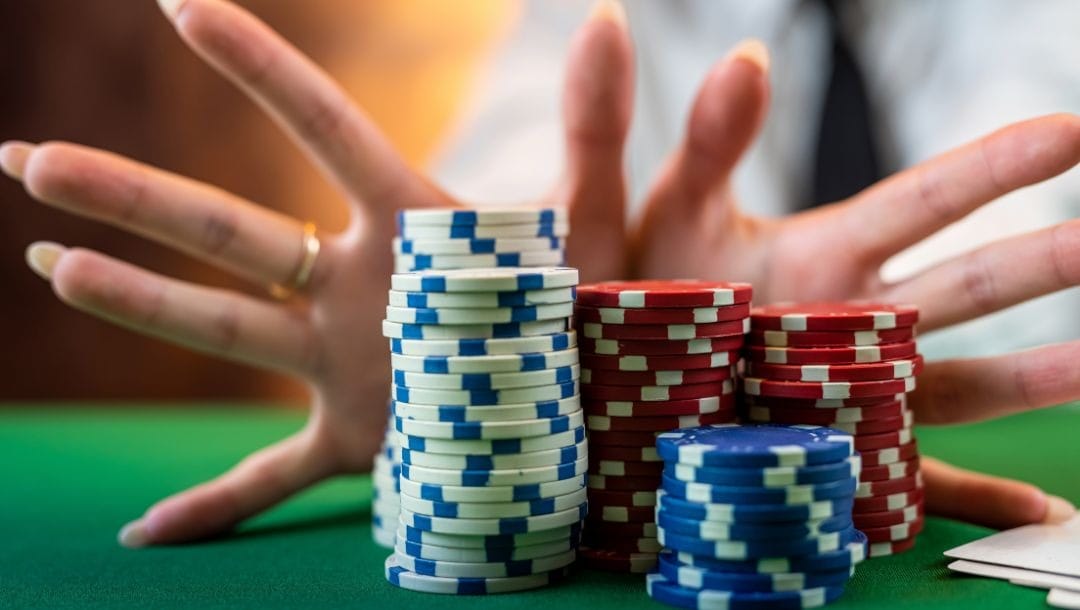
(329, 335)
(692, 227)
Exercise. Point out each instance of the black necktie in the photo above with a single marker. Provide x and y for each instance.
(846, 157)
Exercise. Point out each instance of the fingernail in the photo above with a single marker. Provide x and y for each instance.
(133, 535)
(171, 7)
(42, 257)
(1058, 510)
(611, 10)
(13, 157)
(753, 51)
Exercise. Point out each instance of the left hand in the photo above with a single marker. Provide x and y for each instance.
(693, 227)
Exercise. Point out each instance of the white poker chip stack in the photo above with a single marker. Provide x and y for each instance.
(461, 239)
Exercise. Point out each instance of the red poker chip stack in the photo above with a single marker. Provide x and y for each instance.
(655, 356)
(848, 366)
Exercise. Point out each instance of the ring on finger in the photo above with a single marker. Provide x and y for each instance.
(309, 251)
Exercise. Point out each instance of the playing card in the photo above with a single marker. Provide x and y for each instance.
(1064, 599)
(1043, 548)
(1020, 576)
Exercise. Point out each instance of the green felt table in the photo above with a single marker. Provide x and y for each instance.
(74, 475)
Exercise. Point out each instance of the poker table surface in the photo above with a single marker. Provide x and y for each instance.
(74, 474)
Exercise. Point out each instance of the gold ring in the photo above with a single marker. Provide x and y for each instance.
(309, 247)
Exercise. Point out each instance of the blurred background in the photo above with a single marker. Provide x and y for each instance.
(467, 90)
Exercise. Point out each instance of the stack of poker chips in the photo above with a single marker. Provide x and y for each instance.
(756, 517)
(848, 366)
(452, 239)
(474, 239)
(486, 406)
(656, 356)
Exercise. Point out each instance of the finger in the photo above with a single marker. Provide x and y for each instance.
(904, 209)
(209, 320)
(994, 277)
(597, 106)
(955, 391)
(726, 116)
(260, 481)
(203, 221)
(986, 500)
(302, 99)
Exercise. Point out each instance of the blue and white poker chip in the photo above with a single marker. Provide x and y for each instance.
(719, 530)
(484, 346)
(493, 510)
(510, 553)
(440, 217)
(460, 365)
(492, 447)
(486, 381)
(422, 262)
(477, 246)
(482, 300)
(406, 579)
(791, 495)
(562, 455)
(495, 569)
(494, 315)
(665, 591)
(489, 527)
(397, 330)
(510, 493)
(489, 430)
(755, 446)
(495, 478)
(769, 476)
(502, 279)
(425, 396)
(847, 556)
(754, 549)
(457, 413)
(754, 513)
(742, 582)
(504, 542)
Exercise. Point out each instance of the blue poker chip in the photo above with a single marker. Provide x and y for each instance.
(487, 279)
(744, 582)
(489, 245)
(493, 569)
(755, 549)
(485, 381)
(793, 495)
(484, 347)
(769, 476)
(755, 513)
(492, 447)
(715, 530)
(849, 555)
(407, 579)
(663, 590)
(504, 542)
(755, 446)
(440, 217)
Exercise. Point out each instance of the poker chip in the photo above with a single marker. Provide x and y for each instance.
(689, 406)
(502, 542)
(495, 494)
(754, 513)
(646, 378)
(656, 423)
(823, 403)
(503, 279)
(477, 246)
(885, 472)
(614, 347)
(486, 381)
(406, 579)
(482, 300)
(616, 561)
(875, 426)
(562, 455)
(665, 591)
(489, 430)
(498, 569)
(629, 454)
(510, 363)
(534, 230)
(740, 582)
(875, 371)
(895, 533)
(442, 217)
(887, 518)
(422, 262)
(844, 558)
(487, 527)
(825, 417)
(425, 396)
(458, 413)
(622, 439)
(724, 494)
(715, 530)
(385, 503)
(396, 330)
(783, 338)
(890, 455)
(621, 514)
(512, 553)
(856, 354)
(761, 445)
(827, 389)
(755, 549)
(492, 447)
(623, 498)
(623, 545)
(615, 483)
(651, 393)
(620, 468)
(653, 364)
(485, 347)
(831, 316)
(886, 503)
(884, 549)
(872, 442)
(769, 476)
(613, 530)
(495, 315)
(664, 293)
(594, 330)
(870, 489)
(695, 315)
(495, 478)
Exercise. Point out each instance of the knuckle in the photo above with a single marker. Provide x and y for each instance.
(978, 280)
(219, 230)
(931, 194)
(1065, 253)
(322, 118)
(225, 328)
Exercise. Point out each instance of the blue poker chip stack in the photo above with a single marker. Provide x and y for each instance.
(385, 501)
(756, 517)
(442, 238)
(485, 408)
